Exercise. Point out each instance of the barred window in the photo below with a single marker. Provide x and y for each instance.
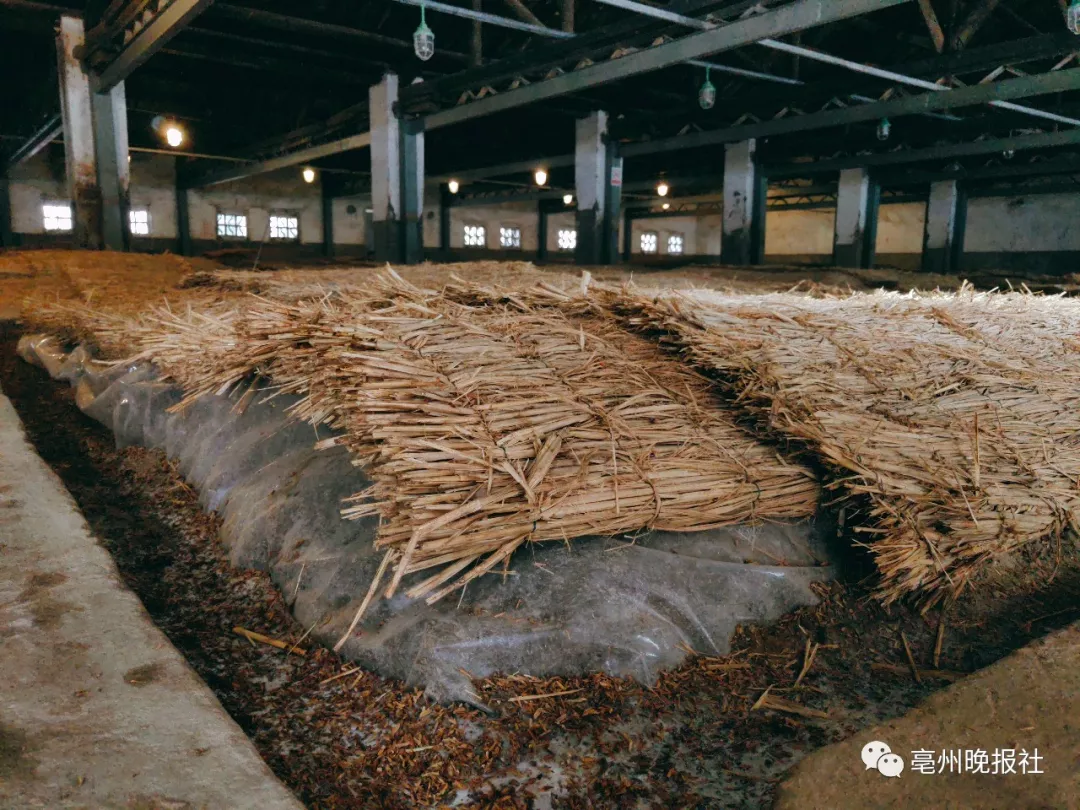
(139, 221)
(56, 216)
(675, 243)
(284, 227)
(649, 241)
(567, 239)
(475, 236)
(232, 225)
(510, 237)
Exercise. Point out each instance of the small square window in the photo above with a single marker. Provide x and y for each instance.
(567, 239)
(56, 216)
(675, 243)
(232, 225)
(649, 241)
(475, 236)
(284, 227)
(139, 221)
(510, 237)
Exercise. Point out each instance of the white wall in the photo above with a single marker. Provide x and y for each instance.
(1034, 224)
(521, 215)
(797, 233)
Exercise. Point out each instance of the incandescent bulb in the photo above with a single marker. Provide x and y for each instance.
(453, 185)
(540, 176)
(567, 199)
(174, 136)
(309, 175)
(662, 189)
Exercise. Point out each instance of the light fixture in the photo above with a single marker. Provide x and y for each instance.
(174, 136)
(423, 38)
(453, 185)
(884, 129)
(666, 206)
(707, 94)
(662, 188)
(309, 175)
(540, 176)
(1009, 154)
(567, 199)
(1072, 16)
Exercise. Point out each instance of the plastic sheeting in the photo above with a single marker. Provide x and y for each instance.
(627, 606)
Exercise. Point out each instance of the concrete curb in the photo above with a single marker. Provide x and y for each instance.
(97, 708)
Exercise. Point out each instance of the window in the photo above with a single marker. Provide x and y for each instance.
(56, 216)
(232, 225)
(475, 236)
(139, 221)
(284, 227)
(648, 242)
(567, 239)
(675, 243)
(510, 237)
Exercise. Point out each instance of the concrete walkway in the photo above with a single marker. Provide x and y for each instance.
(97, 709)
(1027, 702)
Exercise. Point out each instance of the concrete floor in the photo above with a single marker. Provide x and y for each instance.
(1029, 701)
(97, 709)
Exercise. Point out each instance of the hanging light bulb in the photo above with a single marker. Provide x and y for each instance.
(174, 136)
(666, 206)
(662, 188)
(567, 199)
(1009, 154)
(540, 176)
(309, 175)
(453, 185)
(423, 38)
(1072, 16)
(884, 129)
(707, 94)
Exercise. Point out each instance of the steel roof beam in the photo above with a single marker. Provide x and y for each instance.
(1046, 140)
(147, 41)
(297, 158)
(797, 16)
(45, 134)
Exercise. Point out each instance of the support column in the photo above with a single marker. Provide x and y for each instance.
(183, 218)
(627, 235)
(757, 226)
(96, 149)
(77, 115)
(7, 238)
(327, 193)
(943, 238)
(740, 192)
(856, 219)
(412, 191)
(541, 231)
(397, 178)
(598, 189)
(445, 203)
(113, 169)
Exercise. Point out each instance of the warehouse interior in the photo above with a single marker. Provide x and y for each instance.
(539, 403)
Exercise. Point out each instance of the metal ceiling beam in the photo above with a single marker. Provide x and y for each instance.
(147, 41)
(819, 56)
(988, 57)
(297, 158)
(45, 134)
(797, 16)
(1046, 140)
(913, 105)
(300, 25)
(490, 19)
(1043, 168)
(520, 167)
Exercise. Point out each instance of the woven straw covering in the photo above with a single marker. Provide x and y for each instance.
(957, 416)
(484, 427)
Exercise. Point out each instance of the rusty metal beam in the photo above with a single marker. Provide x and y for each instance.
(932, 24)
(979, 15)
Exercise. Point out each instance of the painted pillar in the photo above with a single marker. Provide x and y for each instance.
(96, 148)
(183, 214)
(77, 115)
(385, 234)
(113, 169)
(412, 191)
(740, 195)
(856, 219)
(943, 238)
(446, 200)
(597, 188)
(326, 187)
(7, 238)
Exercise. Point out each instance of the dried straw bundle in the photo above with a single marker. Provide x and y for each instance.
(957, 416)
(487, 427)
